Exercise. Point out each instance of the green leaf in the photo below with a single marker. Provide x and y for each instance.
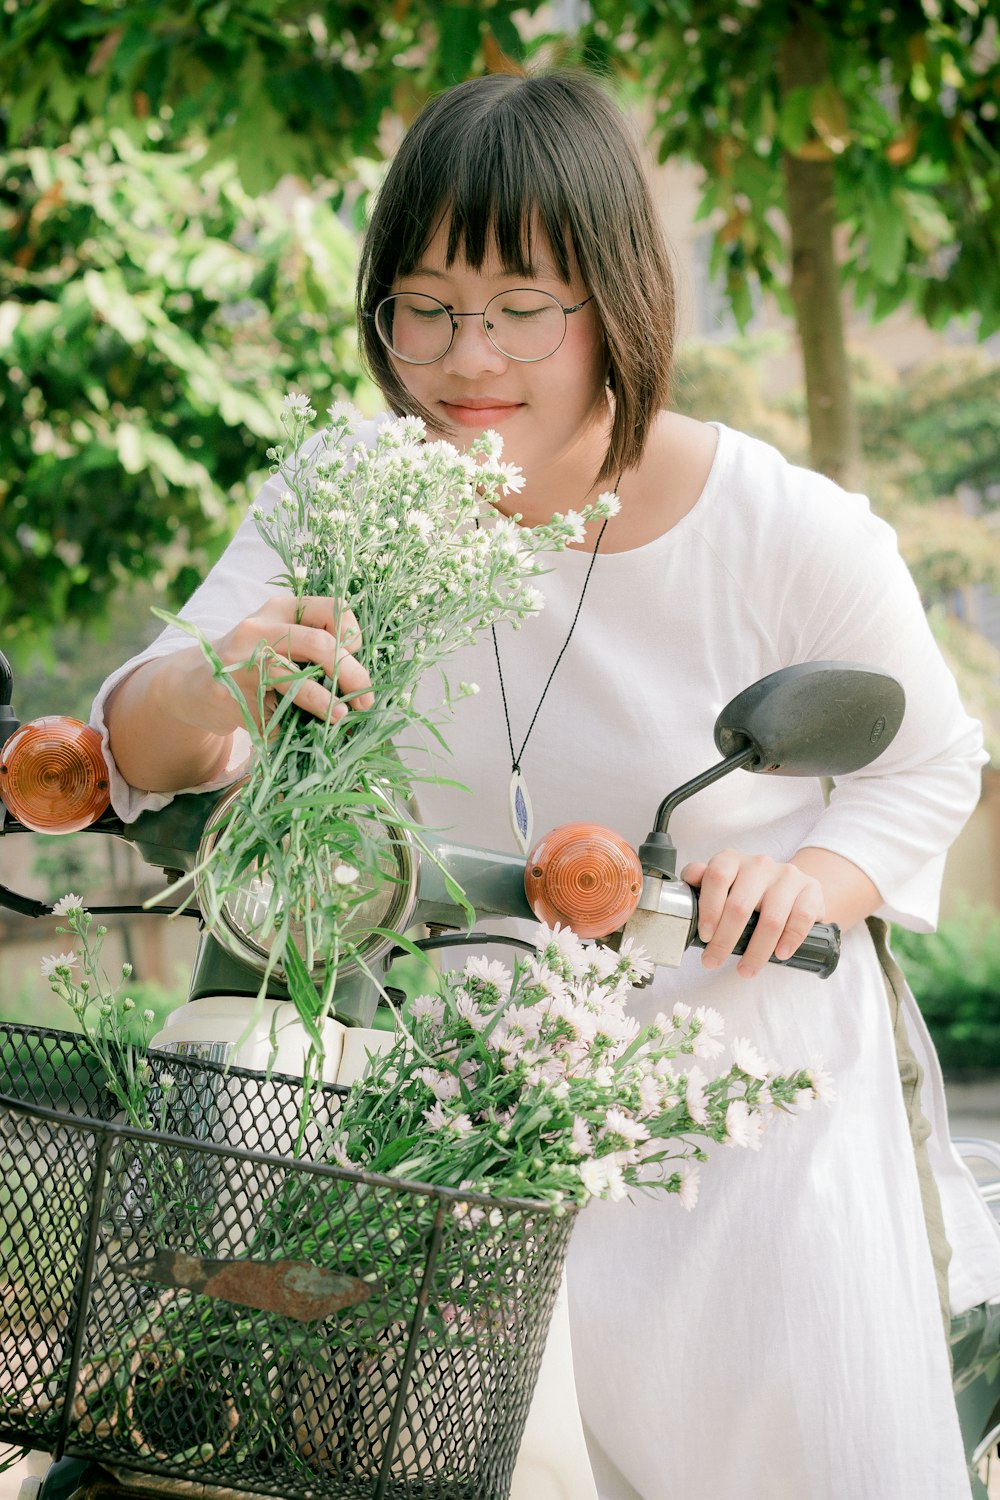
(795, 118)
(885, 225)
(111, 299)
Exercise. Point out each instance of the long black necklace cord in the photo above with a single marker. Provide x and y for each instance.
(515, 760)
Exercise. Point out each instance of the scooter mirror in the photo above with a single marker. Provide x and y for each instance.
(820, 718)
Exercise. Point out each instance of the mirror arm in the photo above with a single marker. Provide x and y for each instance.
(658, 854)
(698, 783)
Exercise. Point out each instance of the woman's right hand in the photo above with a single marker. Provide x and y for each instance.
(299, 632)
(171, 722)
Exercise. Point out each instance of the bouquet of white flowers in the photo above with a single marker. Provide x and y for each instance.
(405, 534)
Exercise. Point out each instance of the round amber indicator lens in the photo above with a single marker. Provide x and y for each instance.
(53, 778)
(584, 876)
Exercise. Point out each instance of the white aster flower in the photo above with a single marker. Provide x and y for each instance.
(428, 1008)
(609, 503)
(602, 1177)
(510, 479)
(576, 527)
(748, 1059)
(706, 1043)
(617, 1123)
(743, 1125)
(436, 1117)
(468, 1008)
(822, 1083)
(488, 971)
(639, 962)
(420, 522)
(690, 1184)
(296, 402)
(618, 1027)
(695, 1096)
(441, 1085)
(581, 1138)
(339, 1153)
(345, 874)
(66, 904)
(650, 1094)
(461, 1124)
(343, 412)
(593, 1176)
(56, 961)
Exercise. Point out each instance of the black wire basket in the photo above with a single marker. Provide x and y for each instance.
(211, 1301)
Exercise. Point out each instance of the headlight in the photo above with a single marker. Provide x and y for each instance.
(384, 903)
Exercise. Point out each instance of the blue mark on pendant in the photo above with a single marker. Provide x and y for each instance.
(521, 812)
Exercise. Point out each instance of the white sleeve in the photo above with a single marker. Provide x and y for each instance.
(854, 600)
(237, 585)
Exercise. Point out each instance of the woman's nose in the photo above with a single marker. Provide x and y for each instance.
(471, 351)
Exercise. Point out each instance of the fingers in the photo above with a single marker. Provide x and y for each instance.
(302, 632)
(732, 886)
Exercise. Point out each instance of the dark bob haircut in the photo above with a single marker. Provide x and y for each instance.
(498, 155)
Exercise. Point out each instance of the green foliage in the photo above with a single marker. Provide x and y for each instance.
(955, 975)
(941, 421)
(901, 100)
(723, 382)
(151, 323)
(33, 1004)
(278, 86)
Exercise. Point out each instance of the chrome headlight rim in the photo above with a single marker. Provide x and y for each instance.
(241, 945)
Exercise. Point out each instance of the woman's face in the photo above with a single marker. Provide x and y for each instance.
(546, 411)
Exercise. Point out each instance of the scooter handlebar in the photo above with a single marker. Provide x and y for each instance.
(819, 953)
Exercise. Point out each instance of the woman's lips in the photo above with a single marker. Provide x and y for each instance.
(480, 413)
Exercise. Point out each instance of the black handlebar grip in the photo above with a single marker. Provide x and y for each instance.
(818, 953)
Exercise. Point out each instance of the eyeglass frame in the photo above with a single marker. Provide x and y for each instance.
(422, 363)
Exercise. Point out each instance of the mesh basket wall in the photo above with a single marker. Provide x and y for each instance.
(213, 1303)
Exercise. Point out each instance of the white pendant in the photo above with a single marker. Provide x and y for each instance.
(519, 804)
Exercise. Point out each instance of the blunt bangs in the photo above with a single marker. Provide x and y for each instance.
(503, 161)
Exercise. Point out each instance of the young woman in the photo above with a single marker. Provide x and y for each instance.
(785, 1339)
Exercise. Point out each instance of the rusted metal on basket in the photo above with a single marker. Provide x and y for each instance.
(291, 1288)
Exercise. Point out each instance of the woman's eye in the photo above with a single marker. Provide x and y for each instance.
(523, 314)
(425, 314)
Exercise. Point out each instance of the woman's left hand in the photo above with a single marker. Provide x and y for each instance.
(732, 886)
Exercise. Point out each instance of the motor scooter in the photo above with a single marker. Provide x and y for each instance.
(226, 1092)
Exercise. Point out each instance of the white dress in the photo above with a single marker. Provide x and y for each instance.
(783, 1341)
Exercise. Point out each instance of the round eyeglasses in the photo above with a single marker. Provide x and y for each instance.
(524, 324)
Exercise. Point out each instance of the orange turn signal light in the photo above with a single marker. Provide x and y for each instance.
(52, 775)
(584, 876)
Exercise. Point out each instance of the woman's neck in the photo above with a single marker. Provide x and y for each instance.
(659, 491)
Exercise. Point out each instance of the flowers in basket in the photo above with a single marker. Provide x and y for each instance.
(535, 1082)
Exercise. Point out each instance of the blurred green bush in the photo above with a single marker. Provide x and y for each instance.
(955, 975)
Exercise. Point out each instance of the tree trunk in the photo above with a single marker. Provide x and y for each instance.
(815, 282)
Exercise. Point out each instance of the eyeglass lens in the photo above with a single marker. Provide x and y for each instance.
(524, 324)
